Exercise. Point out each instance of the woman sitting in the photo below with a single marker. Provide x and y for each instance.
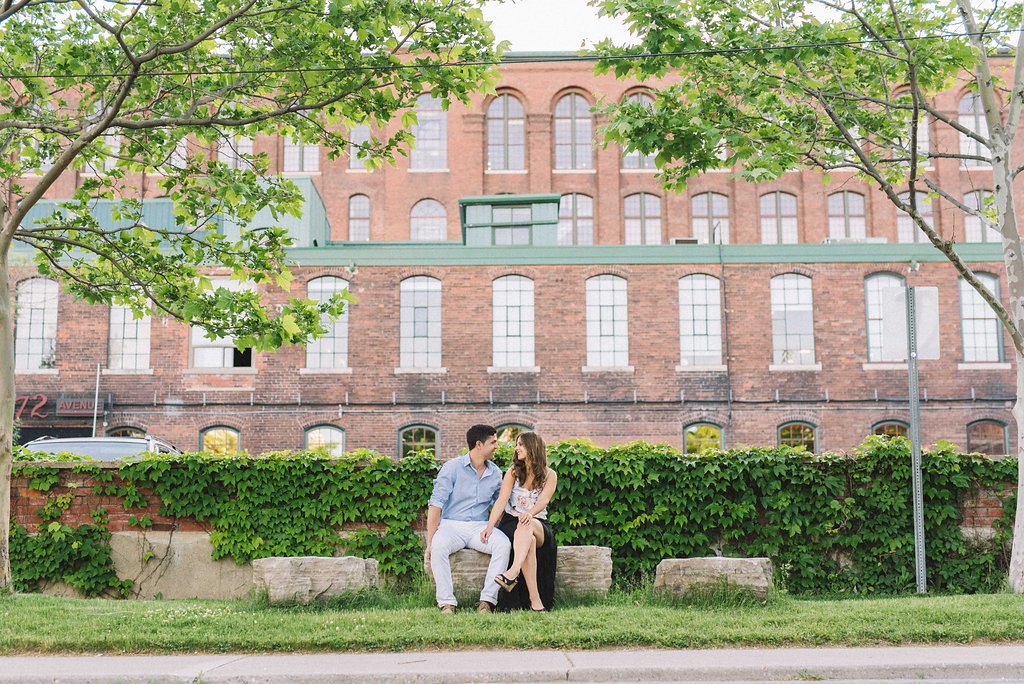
(522, 509)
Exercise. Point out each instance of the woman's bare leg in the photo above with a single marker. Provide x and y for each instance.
(530, 576)
(522, 541)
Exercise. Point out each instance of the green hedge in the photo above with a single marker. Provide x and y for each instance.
(831, 523)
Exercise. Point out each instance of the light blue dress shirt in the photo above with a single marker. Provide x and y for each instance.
(463, 495)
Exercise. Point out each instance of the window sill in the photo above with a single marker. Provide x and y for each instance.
(640, 171)
(569, 171)
(701, 369)
(608, 369)
(420, 371)
(126, 371)
(513, 369)
(300, 173)
(506, 172)
(979, 365)
(358, 171)
(883, 366)
(325, 371)
(786, 367)
(37, 371)
(219, 371)
(445, 170)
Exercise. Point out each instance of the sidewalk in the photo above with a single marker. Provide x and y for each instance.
(957, 663)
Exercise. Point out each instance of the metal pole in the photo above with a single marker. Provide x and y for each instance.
(915, 445)
(96, 400)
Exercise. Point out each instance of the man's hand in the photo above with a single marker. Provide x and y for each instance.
(486, 534)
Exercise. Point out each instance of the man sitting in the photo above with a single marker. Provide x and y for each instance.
(464, 491)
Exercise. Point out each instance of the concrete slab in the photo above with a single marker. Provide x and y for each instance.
(944, 664)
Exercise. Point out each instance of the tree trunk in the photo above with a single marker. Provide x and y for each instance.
(6, 418)
(1017, 550)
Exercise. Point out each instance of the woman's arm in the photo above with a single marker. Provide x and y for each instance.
(499, 505)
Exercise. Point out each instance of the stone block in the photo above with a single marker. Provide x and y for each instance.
(584, 569)
(580, 569)
(677, 576)
(304, 579)
(177, 565)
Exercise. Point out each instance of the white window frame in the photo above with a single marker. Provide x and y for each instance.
(512, 336)
(641, 212)
(700, 321)
(709, 218)
(430, 152)
(420, 323)
(428, 221)
(128, 339)
(979, 322)
(506, 151)
(792, 298)
(574, 133)
(35, 324)
(777, 227)
(576, 219)
(329, 352)
(607, 322)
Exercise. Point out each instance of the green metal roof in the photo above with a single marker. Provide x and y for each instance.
(456, 254)
(509, 199)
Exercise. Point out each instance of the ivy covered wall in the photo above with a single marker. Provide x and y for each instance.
(830, 523)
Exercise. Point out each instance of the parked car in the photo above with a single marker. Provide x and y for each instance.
(100, 448)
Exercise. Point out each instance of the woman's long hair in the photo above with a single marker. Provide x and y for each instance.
(536, 457)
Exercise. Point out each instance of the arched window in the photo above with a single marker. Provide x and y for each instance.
(846, 215)
(219, 440)
(126, 431)
(128, 339)
(414, 438)
(698, 437)
(512, 336)
(331, 350)
(219, 352)
(358, 138)
(359, 218)
(327, 437)
(977, 229)
(420, 313)
(642, 219)
(299, 157)
(987, 437)
(778, 219)
(509, 433)
(891, 428)
(797, 435)
(35, 325)
(576, 220)
(607, 331)
(430, 152)
(906, 230)
(710, 218)
(574, 128)
(428, 221)
(982, 338)
(875, 286)
(972, 117)
(635, 160)
(792, 320)
(700, 321)
(506, 134)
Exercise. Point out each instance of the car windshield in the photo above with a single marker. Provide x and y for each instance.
(101, 450)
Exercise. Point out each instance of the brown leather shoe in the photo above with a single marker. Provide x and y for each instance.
(485, 607)
(448, 609)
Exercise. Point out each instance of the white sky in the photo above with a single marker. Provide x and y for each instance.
(551, 25)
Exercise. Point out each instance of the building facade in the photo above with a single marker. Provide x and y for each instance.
(511, 271)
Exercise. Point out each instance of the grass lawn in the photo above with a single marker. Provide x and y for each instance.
(391, 620)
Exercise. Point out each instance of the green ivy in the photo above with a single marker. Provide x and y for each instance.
(830, 522)
(293, 504)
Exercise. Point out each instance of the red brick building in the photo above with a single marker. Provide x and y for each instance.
(566, 292)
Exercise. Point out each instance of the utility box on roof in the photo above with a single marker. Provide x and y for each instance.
(509, 220)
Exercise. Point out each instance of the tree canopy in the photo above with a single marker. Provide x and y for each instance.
(845, 87)
(129, 102)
